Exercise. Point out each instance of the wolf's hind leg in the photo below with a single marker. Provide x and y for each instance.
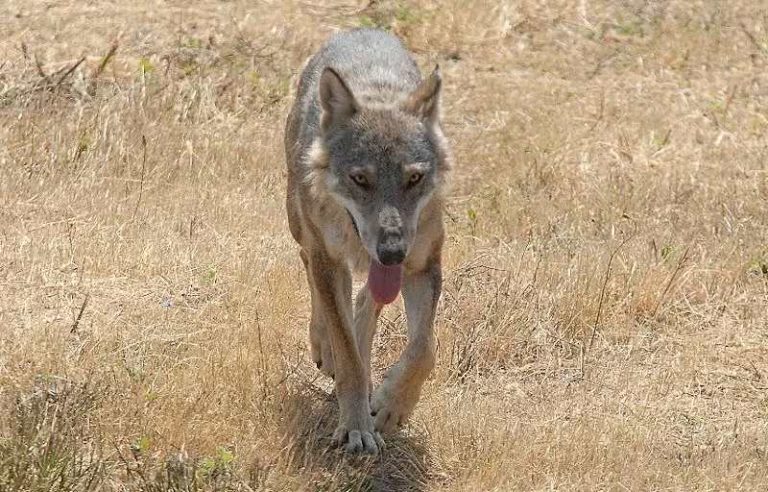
(319, 345)
(366, 314)
(394, 401)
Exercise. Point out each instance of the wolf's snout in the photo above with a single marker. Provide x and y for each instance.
(391, 249)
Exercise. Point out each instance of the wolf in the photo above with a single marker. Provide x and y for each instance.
(367, 166)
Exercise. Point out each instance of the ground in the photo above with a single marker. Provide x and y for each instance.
(603, 324)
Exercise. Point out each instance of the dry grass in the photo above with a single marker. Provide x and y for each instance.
(603, 324)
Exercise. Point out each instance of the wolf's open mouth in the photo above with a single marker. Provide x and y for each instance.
(354, 224)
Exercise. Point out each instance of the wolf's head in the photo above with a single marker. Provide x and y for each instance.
(382, 162)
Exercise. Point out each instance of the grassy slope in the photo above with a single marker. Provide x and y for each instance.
(603, 324)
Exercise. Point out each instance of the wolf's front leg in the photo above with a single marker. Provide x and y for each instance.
(397, 396)
(333, 286)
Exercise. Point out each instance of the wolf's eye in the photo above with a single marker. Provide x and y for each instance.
(359, 179)
(415, 179)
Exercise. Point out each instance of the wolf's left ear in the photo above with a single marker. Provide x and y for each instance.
(336, 99)
(424, 102)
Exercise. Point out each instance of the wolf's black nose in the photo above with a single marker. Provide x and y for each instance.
(391, 249)
(390, 256)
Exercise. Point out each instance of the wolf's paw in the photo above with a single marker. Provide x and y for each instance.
(392, 404)
(358, 441)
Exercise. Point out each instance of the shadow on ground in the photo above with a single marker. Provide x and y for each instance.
(311, 419)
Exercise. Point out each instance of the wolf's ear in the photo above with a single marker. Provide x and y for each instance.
(336, 99)
(424, 102)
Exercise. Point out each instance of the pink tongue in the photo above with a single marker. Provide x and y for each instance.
(384, 281)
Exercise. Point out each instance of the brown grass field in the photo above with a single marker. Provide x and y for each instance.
(604, 320)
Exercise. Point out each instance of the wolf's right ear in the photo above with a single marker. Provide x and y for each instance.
(336, 99)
